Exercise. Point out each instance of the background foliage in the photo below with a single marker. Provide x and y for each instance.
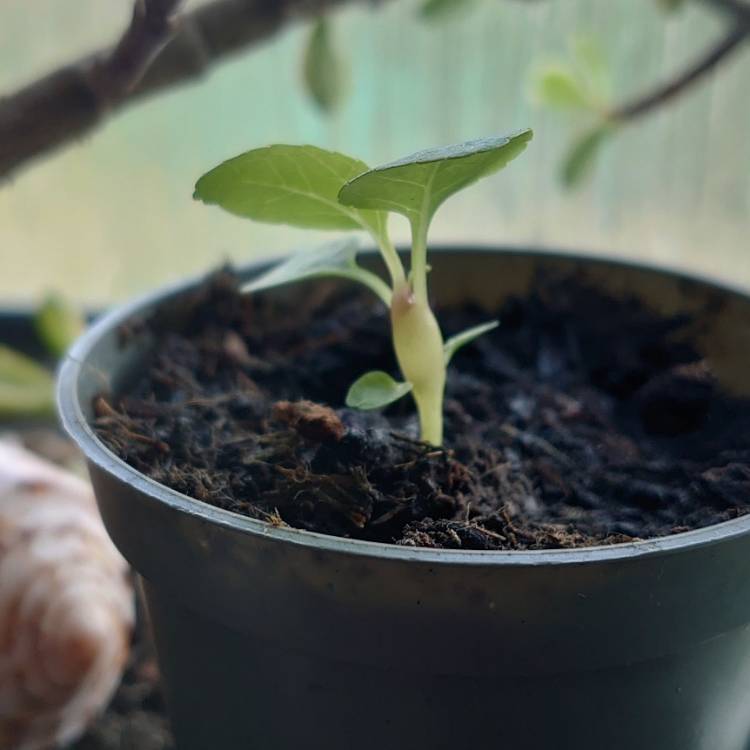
(114, 215)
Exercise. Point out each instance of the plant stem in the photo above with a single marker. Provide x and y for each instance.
(419, 259)
(417, 338)
(371, 280)
(391, 259)
(430, 409)
(419, 349)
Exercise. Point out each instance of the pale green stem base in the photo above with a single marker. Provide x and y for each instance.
(430, 410)
(419, 349)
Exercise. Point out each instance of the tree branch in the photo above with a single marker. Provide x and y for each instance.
(738, 9)
(664, 93)
(118, 73)
(154, 53)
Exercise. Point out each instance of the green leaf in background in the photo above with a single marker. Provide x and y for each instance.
(324, 70)
(295, 185)
(337, 258)
(58, 324)
(557, 86)
(26, 388)
(454, 343)
(581, 158)
(581, 83)
(442, 10)
(374, 390)
(417, 185)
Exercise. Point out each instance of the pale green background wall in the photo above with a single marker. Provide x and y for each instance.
(113, 215)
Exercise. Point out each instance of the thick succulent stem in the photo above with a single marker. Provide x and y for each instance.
(419, 349)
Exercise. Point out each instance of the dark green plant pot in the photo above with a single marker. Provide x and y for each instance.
(279, 639)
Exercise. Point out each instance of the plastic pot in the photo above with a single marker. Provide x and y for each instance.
(278, 639)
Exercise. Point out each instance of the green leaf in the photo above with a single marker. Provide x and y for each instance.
(418, 184)
(324, 260)
(324, 72)
(581, 158)
(454, 343)
(58, 324)
(374, 390)
(336, 258)
(295, 185)
(583, 83)
(440, 10)
(557, 86)
(26, 388)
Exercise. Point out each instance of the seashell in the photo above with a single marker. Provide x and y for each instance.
(66, 605)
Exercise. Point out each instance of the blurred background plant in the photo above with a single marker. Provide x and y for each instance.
(26, 378)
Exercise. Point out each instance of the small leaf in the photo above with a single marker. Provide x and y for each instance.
(557, 86)
(26, 388)
(295, 185)
(454, 343)
(320, 261)
(580, 160)
(324, 72)
(418, 184)
(58, 324)
(440, 10)
(337, 258)
(374, 390)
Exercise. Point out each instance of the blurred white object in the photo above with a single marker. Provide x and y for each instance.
(66, 605)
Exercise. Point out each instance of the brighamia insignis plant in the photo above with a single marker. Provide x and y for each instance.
(309, 187)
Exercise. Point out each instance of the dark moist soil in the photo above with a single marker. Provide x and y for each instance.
(581, 420)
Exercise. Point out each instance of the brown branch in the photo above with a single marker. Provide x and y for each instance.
(738, 9)
(117, 74)
(69, 102)
(664, 93)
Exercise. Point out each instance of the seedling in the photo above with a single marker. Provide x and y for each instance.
(305, 186)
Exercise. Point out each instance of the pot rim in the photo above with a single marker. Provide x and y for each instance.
(76, 425)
